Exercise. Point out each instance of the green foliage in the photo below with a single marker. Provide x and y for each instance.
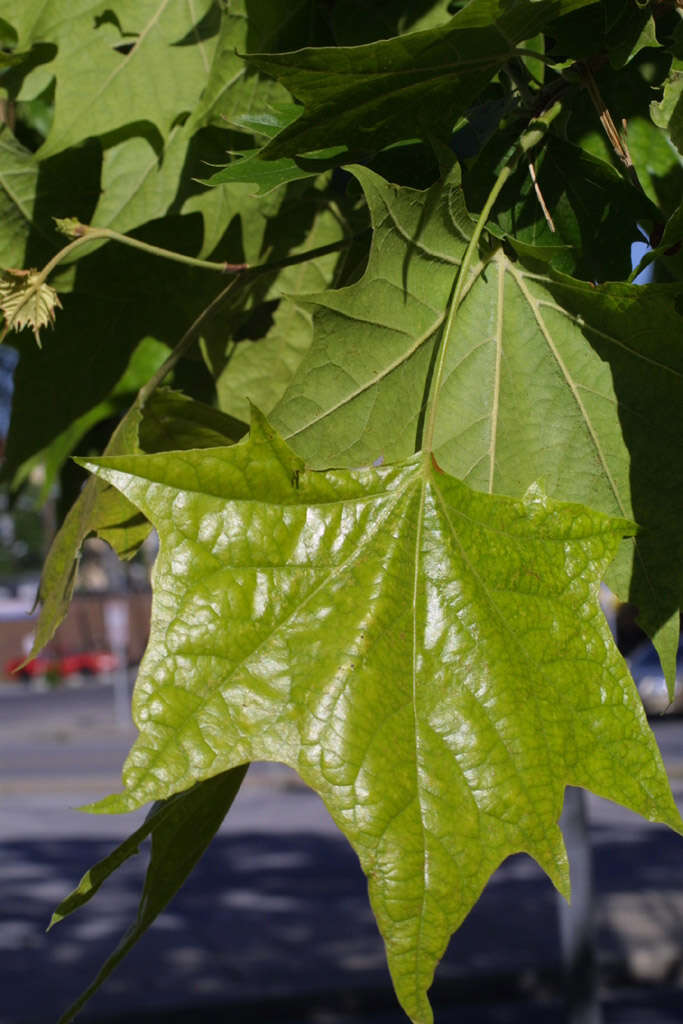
(425, 212)
(285, 600)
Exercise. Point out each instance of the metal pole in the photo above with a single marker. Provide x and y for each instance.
(118, 627)
(577, 920)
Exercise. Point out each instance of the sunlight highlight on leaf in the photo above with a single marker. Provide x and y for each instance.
(431, 660)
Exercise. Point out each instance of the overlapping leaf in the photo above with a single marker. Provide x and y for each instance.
(139, 182)
(432, 660)
(168, 420)
(545, 378)
(107, 58)
(259, 370)
(181, 828)
(363, 96)
(595, 212)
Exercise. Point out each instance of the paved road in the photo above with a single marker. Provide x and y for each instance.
(274, 924)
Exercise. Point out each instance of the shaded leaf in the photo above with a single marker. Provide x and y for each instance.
(432, 660)
(171, 420)
(140, 179)
(117, 300)
(100, 509)
(630, 28)
(259, 370)
(33, 192)
(18, 184)
(181, 828)
(356, 22)
(668, 112)
(596, 213)
(365, 96)
(545, 377)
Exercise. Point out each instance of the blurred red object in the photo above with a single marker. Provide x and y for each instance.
(87, 663)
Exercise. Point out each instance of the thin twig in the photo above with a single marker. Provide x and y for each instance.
(185, 343)
(616, 141)
(539, 196)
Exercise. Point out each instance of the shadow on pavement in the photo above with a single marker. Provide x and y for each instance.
(276, 927)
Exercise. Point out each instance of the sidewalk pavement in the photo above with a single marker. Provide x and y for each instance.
(274, 924)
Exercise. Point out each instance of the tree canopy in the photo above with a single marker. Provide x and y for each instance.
(344, 296)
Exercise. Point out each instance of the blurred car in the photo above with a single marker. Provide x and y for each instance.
(85, 663)
(650, 683)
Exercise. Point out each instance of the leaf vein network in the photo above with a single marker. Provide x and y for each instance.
(573, 387)
(515, 642)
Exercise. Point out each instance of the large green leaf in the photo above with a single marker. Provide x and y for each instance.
(544, 377)
(368, 96)
(432, 660)
(181, 828)
(140, 180)
(132, 61)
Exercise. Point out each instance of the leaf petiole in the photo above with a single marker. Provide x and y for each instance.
(526, 142)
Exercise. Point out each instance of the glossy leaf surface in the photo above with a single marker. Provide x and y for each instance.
(432, 660)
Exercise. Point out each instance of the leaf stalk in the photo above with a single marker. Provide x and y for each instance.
(529, 139)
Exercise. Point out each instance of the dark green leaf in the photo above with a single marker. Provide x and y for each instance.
(630, 28)
(596, 213)
(357, 22)
(181, 828)
(366, 97)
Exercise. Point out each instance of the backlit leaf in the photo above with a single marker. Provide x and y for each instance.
(432, 660)
(106, 60)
